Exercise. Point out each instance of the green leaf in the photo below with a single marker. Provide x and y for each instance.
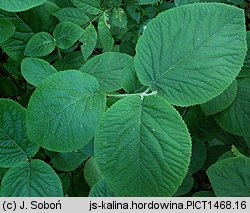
(20, 5)
(146, 145)
(214, 153)
(104, 34)
(31, 179)
(130, 82)
(134, 11)
(204, 194)
(245, 71)
(113, 3)
(107, 68)
(199, 58)
(71, 14)
(35, 70)
(14, 143)
(221, 102)
(88, 39)
(88, 6)
(79, 187)
(236, 118)
(65, 179)
(68, 161)
(40, 44)
(142, 2)
(201, 126)
(119, 18)
(186, 185)
(91, 172)
(40, 18)
(101, 189)
(66, 34)
(15, 46)
(198, 155)
(69, 61)
(230, 177)
(7, 87)
(64, 111)
(7, 29)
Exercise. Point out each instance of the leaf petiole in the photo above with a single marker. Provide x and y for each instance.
(142, 94)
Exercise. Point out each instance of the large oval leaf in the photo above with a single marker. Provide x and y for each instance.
(146, 151)
(20, 5)
(189, 54)
(107, 68)
(31, 179)
(64, 111)
(236, 118)
(14, 143)
(231, 177)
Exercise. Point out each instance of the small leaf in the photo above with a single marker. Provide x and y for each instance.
(64, 111)
(245, 71)
(14, 143)
(119, 17)
(107, 68)
(130, 82)
(236, 118)
(198, 155)
(69, 161)
(35, 70)
(147, 144)
(101, 189)
(113, 3)
(70, 61)
(66, 34)
(88, 6)
(15, 46)
(142, 2)
(204, 194)
(222, 101)
(186, 185)
(88, 39)
(31, 179)
(104, 34)
(7, 87)
(194, 63)
(201, 126)
(40, 18)
(92, 173)
(71, 14)
(20, 5)
(7, 29)
(230, 177)
(40, 44)
(134, 11)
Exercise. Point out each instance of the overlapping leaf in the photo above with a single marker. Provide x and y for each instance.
(64, 111)
(147, 145)
(199, 57)
(31, 179)
(108, 69)
(14, 143)
(20, 5)
(236, 118)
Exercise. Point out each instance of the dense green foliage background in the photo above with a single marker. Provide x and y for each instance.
(153, 100)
